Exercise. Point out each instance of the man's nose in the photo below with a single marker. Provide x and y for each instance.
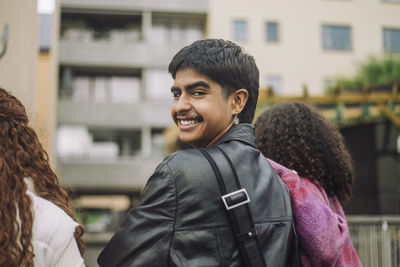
(183, 103)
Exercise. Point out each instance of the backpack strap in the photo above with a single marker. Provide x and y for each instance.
(235, 200)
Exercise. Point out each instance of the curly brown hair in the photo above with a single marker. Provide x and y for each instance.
(22, 156)
(298, 137)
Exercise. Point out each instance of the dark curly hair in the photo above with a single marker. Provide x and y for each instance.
(22, 156)
(298, 137)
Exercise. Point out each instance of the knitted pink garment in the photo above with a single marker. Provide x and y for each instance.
(320, 223)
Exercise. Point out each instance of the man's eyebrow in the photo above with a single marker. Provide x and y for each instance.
(191, 86)
(197, 84)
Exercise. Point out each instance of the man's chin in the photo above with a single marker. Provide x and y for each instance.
(189, 141)
(185, 140)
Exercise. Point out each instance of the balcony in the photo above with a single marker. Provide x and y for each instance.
(132, 55)
(112, 115)
(140, 35)
(108, 176)
(193, 6)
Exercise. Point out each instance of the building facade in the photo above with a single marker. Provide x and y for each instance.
(114, 89)
(114, 100)
(18, 57)
(308, 43)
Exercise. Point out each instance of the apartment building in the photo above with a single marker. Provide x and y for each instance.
(114, 92)
(113, 85)
(308, 43)
(114, 95)
(114, 98)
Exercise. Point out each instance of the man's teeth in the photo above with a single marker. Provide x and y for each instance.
(187, 122)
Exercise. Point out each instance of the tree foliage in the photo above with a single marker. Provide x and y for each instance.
(373, 72)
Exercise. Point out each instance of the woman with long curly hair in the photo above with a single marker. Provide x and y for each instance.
(37, 224)
(298, 137)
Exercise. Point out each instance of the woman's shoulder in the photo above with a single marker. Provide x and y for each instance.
(53, 229)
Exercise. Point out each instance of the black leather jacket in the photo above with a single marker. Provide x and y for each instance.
(181, 221)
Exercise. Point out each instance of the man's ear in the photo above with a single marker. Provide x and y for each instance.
(239, 100)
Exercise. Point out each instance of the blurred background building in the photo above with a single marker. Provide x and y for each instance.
(113, 93)
(18, 50)
(93, 75)
(301, 48)
(114, 99)
(308, 43)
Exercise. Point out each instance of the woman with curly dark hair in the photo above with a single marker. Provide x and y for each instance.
(302, 140)
(37, 224)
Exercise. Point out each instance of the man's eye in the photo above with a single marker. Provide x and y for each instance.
(198, 93)
(176, 94)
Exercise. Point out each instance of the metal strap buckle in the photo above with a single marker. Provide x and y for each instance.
(235, 199)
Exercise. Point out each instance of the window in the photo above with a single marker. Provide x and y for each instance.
(158, 85)
(99, 86)
(45, 25)
(81, 142)
(124, 89)
(240, 30)
(92, 27)
(173, 28)
(272, 31)
(76, 141)
(336, 37)
(329, 83)
(391, 40)
(391, 1)
(275, 82)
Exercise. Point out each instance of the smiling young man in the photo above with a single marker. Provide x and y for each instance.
(182, 220)
(201, 109)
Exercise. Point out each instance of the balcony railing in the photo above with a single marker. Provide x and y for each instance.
(193, 6)
(376, 239)
(125, 115)
(111, 176)
(132, 55)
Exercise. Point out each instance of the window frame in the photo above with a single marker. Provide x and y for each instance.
(277, 91)
(267, 35)
(396, 2)
(331, 47)
(245, 36)
(384, 44)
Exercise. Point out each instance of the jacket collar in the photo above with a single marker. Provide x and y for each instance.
(243, 132)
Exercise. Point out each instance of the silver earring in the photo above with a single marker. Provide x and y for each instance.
(236, 120)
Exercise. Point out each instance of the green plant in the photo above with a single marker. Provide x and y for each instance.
(370, 73)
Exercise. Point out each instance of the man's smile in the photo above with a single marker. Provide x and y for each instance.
(188, 122)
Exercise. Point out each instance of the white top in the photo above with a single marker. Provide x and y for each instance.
(53, 235)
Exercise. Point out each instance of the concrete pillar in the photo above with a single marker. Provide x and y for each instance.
(146, 141)
(146, 25)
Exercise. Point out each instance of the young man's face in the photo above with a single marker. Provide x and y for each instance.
(200, 110)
